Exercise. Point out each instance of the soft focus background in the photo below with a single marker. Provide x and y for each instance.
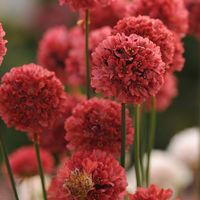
(25, 21)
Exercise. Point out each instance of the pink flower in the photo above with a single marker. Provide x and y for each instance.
(193, 7)
(129, 68)
(153, 29)
(86, 4)
(89, 175)
(96, 123)
(3, 49)
(166, 93)
(151, 193)
(172, 12)
(32, 98)
(23, 162)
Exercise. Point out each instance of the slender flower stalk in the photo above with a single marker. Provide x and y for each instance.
(37, 151)
(152, 129)
(87, 58)
(123, 140)
(137, 147)
(5, 156)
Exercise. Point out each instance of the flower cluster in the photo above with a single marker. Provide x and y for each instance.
(2, 44)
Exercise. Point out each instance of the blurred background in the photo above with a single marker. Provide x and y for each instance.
(25, 21)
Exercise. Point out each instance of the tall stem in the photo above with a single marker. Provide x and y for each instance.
(123, 140)
(37, 151)
(137, 146)
(7, 163)
(152, 129)
(87, 55)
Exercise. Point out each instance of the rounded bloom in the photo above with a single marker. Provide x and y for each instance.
(166, 94)
(23, 162)
(151, 193)
(89, 175)
(86, 4)
(32, 98)
(96, 123)
(193, 7)
(130, 68)
(153, 29)
(185, 146)
(172, 12)
(2, 44)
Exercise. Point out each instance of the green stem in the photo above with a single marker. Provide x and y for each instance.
(137, 146)
(123, 140)
(87, 54)
(37, 151)
(152, 130)
(7, 163)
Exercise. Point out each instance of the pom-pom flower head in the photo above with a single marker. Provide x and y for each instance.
(172, 12)
(96, 123)
(129, 68)
(151, 193)
(32, 98)
(2, 44)
(24, 162)
(153, 29)
(89, 175)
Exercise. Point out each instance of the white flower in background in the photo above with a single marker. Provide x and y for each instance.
(166, 171)
(185, 145)
(31, 189)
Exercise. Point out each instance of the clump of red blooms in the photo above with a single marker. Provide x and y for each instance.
(57, 50)
(2, 44)
(153, 29)
(32, 98)
(96, 123)
(23, 162)
(86, 4)
(107, 16)
(130, 68)
(171, 12)
(166, 94)
(193, 7)
(53, 139)
(89, 175)
(151, 193)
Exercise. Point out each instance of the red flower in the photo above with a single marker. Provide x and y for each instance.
(89, 175)
(32, 98)
(153, 29)
(151, 193)
(86, 4)
(23, 162)
(96, 123)
(130, 68)
(172, 12)
(53, 139)
(166, 93)
(2, 44)
(193, 7)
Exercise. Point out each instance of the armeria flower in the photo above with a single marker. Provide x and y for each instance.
(23, 162)
(2, 44)
(32, 98)
(166, 94)
(193, 7)
(107, 16)
(130, 68)
(96, 123)
(172, 12)
(86, 4)
(151, 193)
(153, 29)
(56, 53)
(89, 175)
(53, 139)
